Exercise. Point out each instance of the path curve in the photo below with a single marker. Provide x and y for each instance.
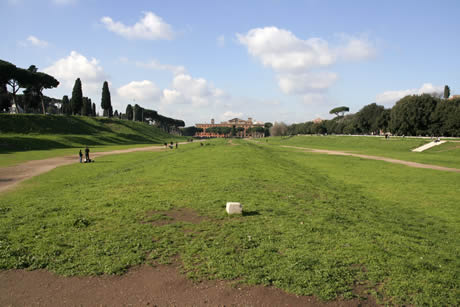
(407, 163)
(11, 176)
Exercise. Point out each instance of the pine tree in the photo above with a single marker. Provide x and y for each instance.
(106, 103)
(77, 97)
(446, 92)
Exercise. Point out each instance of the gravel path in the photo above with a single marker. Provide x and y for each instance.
(13, 175)
(407, 163)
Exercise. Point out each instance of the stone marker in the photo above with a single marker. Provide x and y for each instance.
(234, 208)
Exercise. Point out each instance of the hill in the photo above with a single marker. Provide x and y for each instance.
(19, 132)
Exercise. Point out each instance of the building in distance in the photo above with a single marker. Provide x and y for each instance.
(233, 127)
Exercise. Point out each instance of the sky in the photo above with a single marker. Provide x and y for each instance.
(270, 60)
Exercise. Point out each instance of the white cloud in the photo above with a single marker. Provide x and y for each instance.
(141, 91)
(390, 97)
(33, 41)
(230, 115)
(150, 27)
(153, 64)
(68, 69)
(298, 63)
(301, 83)
(355, 48)
(221, 41)
(284, 52)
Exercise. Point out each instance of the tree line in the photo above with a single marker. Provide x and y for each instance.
(413, 115)
(32, 100)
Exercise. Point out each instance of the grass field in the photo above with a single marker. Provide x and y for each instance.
(31, 137)
(313, 224)
(447, 154)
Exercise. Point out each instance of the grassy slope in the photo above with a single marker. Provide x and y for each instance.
(314, 224)
(447, 154)
(31, 137)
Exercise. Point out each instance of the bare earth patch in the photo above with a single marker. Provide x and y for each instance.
(142, 286)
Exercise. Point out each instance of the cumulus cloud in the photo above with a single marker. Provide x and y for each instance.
(140, 91)
(301, 83)
(150, 27)
(390, 97)
(33, 41)
(74, 66)
(153, 64)
(230, 115)
(299, 64)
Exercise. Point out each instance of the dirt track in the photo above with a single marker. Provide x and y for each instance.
(142, 286)
(407, 163)
(12, 175)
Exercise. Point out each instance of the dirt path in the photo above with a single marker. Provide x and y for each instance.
(13, 175)
(407, 163)
(143, 286)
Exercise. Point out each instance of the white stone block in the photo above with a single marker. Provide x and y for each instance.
(234, 208)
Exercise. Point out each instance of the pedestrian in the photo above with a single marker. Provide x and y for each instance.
(87, 154)
(81, 156)
(177, 145)
(166, 145)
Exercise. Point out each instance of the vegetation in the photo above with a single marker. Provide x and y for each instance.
(77, 98)
(219, 130)
(313, 224)
(279, 129)
(106, 103)
(415, 115)
(339, 111)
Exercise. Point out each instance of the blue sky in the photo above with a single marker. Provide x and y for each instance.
(272, 60)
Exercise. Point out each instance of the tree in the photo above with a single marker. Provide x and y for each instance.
(41, 81)
(115, 113)
(267, 127)
(110, 111)
(278, 129)
(446, 92)
(77, 97)
(411, 115)
(66, 108)
(368, 118)
(129, 112)
(93, 110)
(86, 109)
(106, 103)
(4, 98)
(137, 113)
(339, 111)
(15, 77)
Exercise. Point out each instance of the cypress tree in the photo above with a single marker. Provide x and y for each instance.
(129, 112)
(66, 109)
(77, 97)
(446, 92)
(93, 111)
(106, 103)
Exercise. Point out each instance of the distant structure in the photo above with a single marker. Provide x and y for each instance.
(454, 97)
(318, 120)
(235, 122)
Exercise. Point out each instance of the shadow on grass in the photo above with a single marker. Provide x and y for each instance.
(250, 213)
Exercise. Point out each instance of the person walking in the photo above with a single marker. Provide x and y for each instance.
(87, 154)
(177, 145)
(81, 155)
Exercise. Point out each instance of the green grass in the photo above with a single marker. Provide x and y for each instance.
(26, 137)
(447, 154)
(313, 224)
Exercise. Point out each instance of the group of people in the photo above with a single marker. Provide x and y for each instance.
(171, 145)
(87, 159)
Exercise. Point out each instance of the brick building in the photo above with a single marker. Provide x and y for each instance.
(235, 122)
